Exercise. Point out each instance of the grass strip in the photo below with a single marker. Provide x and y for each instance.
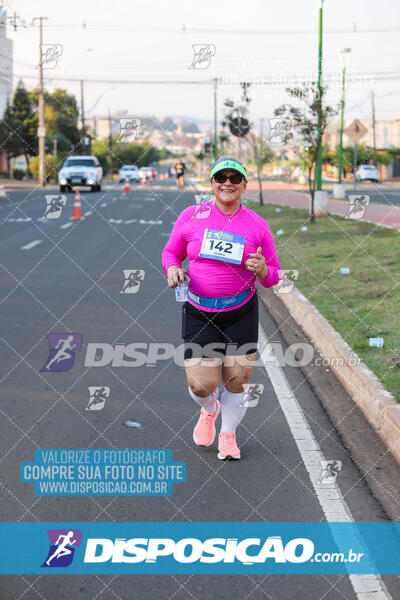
(361, 305)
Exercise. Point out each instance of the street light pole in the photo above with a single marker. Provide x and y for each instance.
(215, 120)
(41, 128)
(343, 52)
(319, 156)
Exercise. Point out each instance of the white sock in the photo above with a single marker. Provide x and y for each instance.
(208, 403)
(231, 410)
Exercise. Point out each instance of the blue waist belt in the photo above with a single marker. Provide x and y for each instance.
(220, 302)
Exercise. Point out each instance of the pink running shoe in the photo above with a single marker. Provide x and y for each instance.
(204, 432)
(227, 447)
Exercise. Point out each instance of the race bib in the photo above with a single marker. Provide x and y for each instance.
(220, 245)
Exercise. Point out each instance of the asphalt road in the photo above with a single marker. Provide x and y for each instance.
(379, 193)
(71, 281)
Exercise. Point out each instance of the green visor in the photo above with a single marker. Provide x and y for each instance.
(228, 164)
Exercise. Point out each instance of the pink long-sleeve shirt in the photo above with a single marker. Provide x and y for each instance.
(215, 278)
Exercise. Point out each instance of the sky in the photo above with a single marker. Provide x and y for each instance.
(153, 40)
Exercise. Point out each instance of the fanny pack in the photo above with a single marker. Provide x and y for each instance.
(220, 302)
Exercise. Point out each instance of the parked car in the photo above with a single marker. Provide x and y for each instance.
(80, 170)
(145, 173)
(367, 172)
(128, 171)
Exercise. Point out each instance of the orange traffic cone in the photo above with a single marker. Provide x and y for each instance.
(127, 187)
(77, 210)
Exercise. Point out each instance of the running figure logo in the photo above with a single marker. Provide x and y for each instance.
(202, 211)
(97, 397)
(277, 130)
(62, 547)
(203, 54)
(286, 281)
(54, 206)
(252, 393)
(357, 206)
(62, 352)
(129, 127)
(329, 471)
(133, 279)
(49, 55)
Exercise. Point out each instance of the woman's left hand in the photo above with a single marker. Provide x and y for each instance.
(256, 263)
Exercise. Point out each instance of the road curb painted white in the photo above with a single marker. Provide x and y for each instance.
(330, 498)
(377, 404)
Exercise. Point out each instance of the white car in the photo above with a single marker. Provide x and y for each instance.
(145, 173)
(130, 172)
(80, 170)
(367, 172)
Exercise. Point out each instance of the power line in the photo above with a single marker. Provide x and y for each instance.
(184, 29)
(383, 76)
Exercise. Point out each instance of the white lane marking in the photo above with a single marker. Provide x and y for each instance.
(31, 245)
(88, 213)
(66, 225)
(366, 587)
(103, 205)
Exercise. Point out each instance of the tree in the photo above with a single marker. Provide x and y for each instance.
(311, 125)
(364, 156)
(19, 125)
(236, 119)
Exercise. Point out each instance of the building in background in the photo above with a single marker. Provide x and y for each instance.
(387, 134)
(6, 73)
(6, 62)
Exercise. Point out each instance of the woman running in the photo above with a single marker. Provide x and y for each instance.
(228, 246)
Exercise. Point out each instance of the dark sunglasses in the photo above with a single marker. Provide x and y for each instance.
(236, 178)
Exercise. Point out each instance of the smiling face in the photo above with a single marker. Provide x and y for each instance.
(228, 194)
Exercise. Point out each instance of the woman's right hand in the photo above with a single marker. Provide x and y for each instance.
(176, 275)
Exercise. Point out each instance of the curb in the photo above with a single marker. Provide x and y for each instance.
(377, 404)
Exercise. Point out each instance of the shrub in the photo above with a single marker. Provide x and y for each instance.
(18, 174)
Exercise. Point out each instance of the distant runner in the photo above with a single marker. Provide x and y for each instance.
(227, 247)
(180, 169)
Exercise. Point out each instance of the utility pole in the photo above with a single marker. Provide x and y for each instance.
(110, 142)
(83, 118)
(41, 128)
(343, 53)
(373, 122)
